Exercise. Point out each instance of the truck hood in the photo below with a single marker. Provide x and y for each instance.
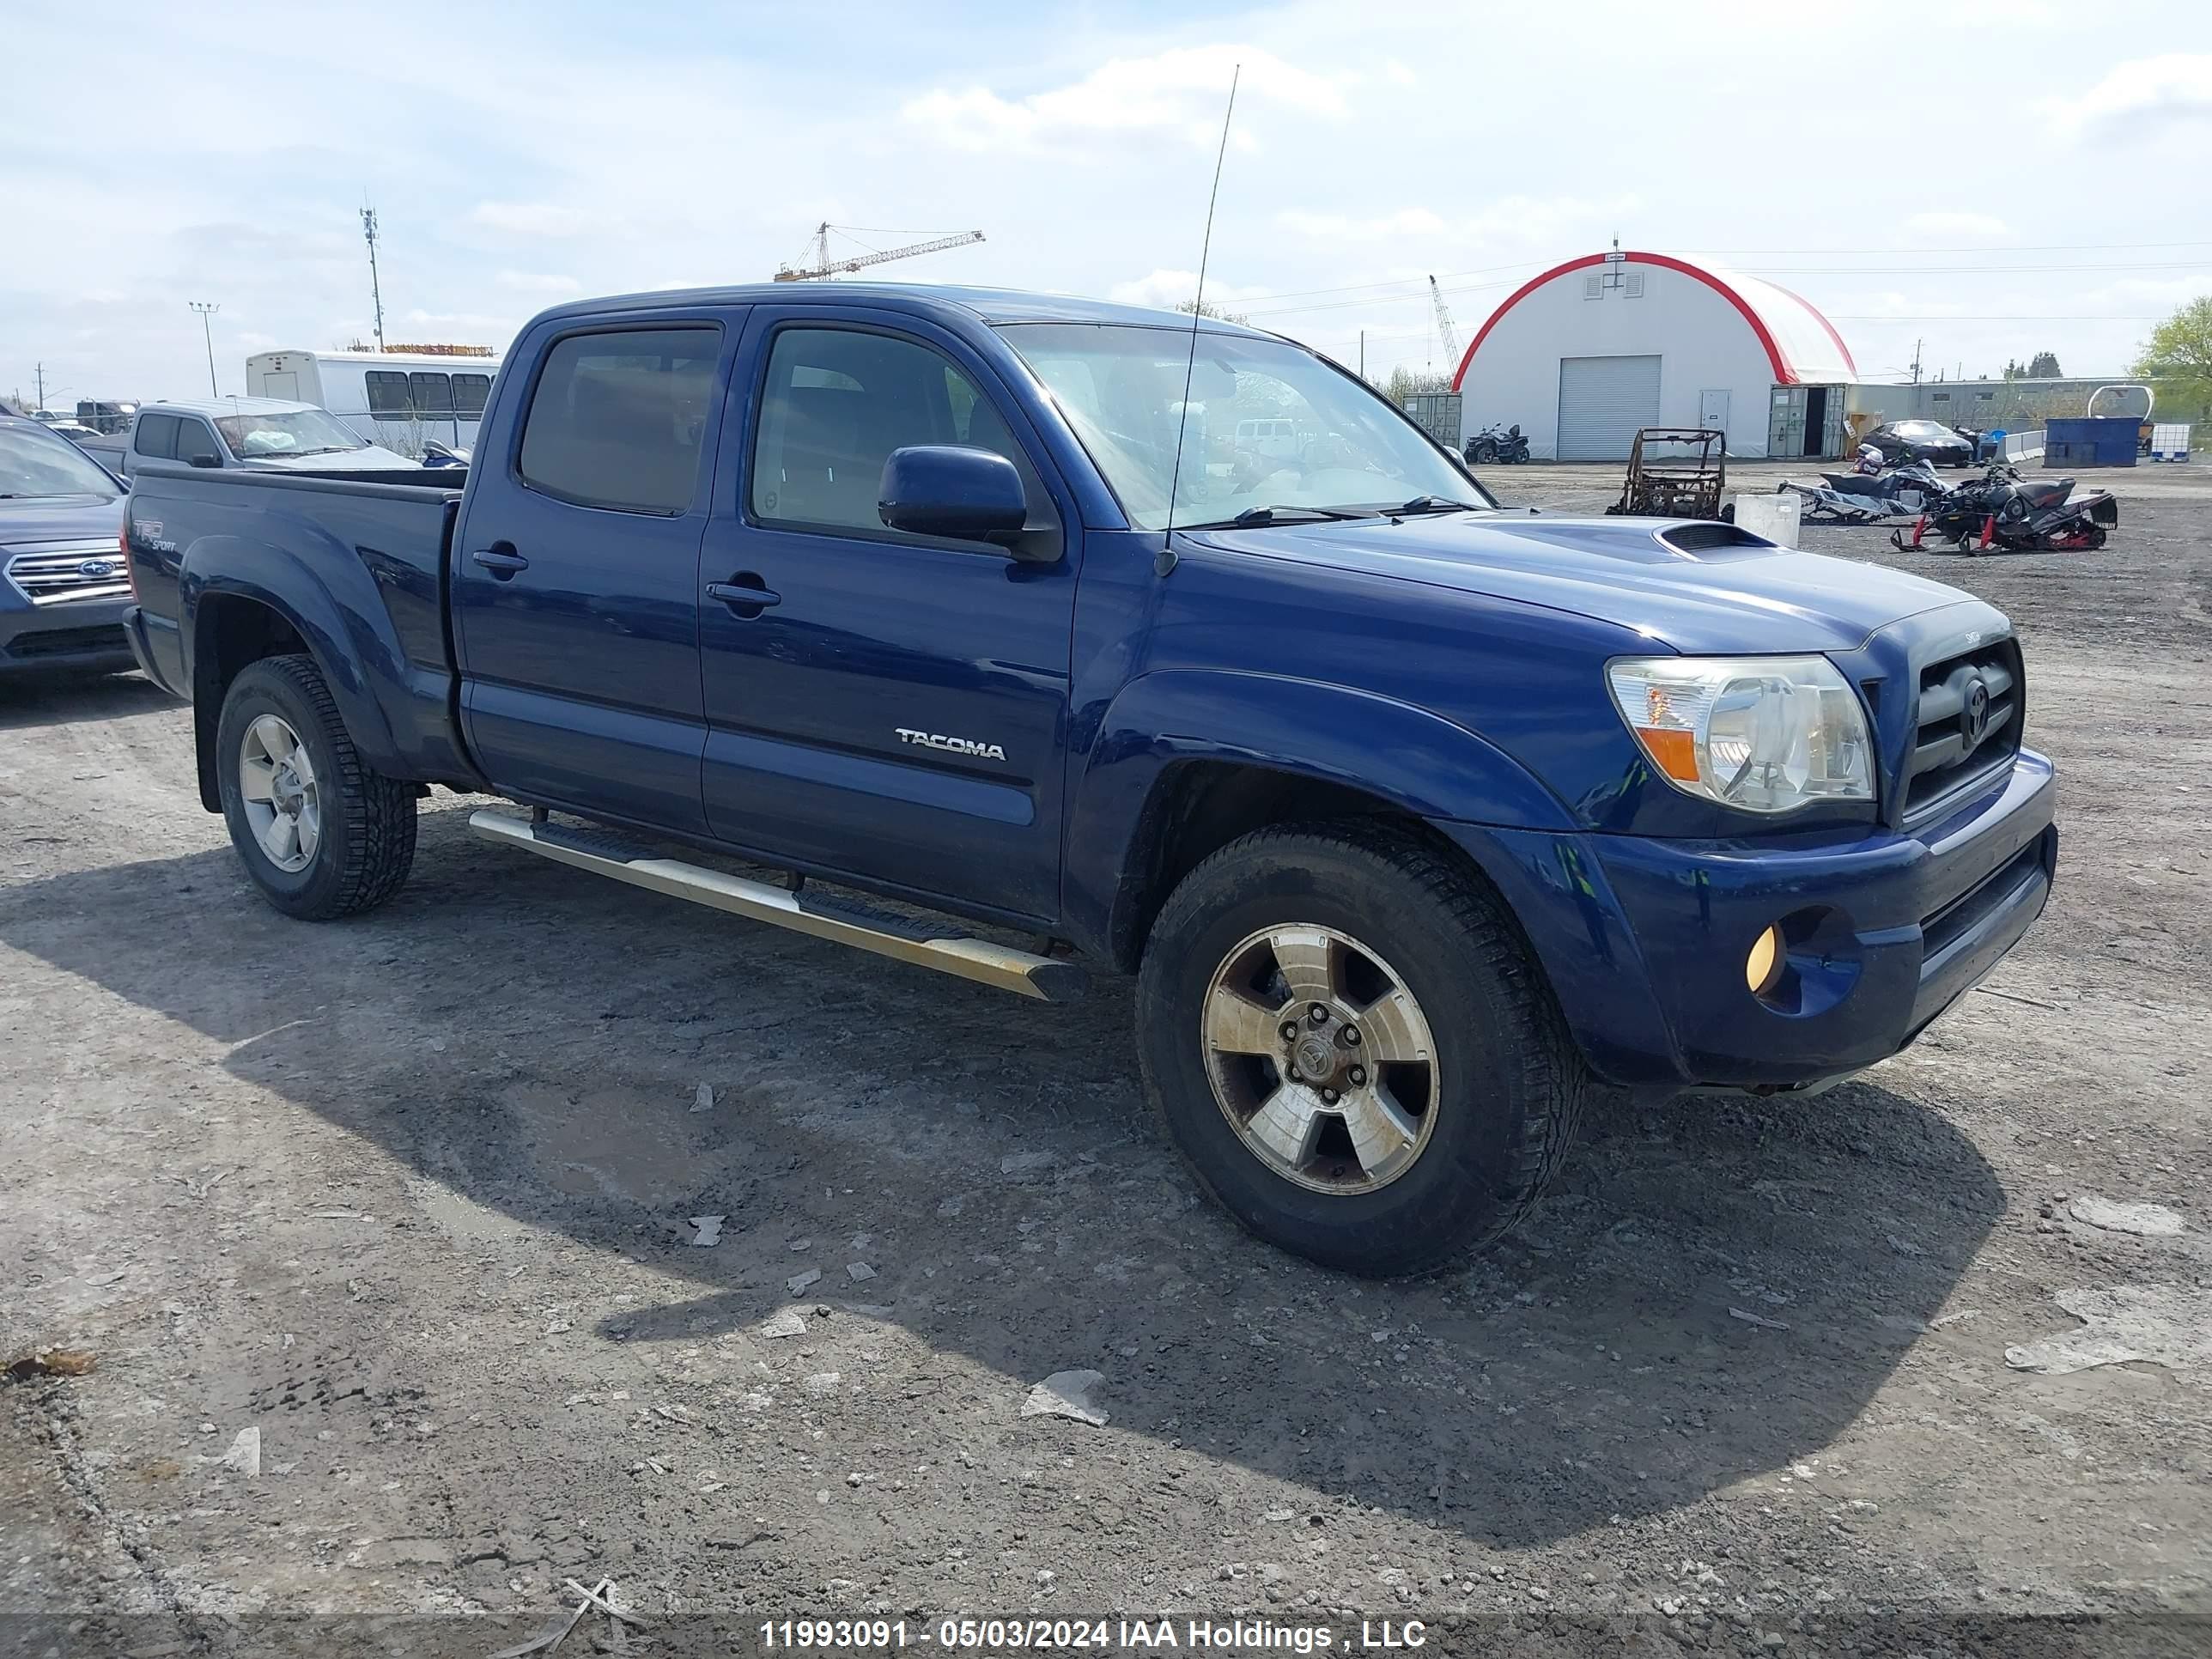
(60, 518)
(1730, 599)
(371, 460)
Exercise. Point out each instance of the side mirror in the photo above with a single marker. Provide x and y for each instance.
(949, 490)
(205, 459)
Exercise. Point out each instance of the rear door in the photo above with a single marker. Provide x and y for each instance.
(575, 579)
(153, 437)
(893, 706)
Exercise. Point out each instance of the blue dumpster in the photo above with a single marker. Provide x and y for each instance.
(2107, 441)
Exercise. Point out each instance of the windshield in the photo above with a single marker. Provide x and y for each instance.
(40, 464)
(1268, 425)
(299, 432)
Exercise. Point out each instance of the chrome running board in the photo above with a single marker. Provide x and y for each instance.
(841, 922)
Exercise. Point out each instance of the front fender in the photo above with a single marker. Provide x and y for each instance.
(1416, 761)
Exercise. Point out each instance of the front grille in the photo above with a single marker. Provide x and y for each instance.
(56, 575)
(71, 641)
(1984, 688)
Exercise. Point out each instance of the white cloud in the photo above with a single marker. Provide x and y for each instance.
(454, 327)
(2146, 295)
(1956, 224)
(531, 218)
(531, 282)
(1165, 288)
(1178, 90)
(2138, 96)
(1543, 219)
(1338, 227)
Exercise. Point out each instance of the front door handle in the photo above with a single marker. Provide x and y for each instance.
(500, 559)
(747, 594)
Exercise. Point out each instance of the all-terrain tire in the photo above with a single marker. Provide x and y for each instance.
(367, 841)
(1510, 1082)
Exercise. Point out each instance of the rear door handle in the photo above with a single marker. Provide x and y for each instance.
(500, 559)
(748, 593)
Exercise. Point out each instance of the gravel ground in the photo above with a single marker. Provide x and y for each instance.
(409, 1197)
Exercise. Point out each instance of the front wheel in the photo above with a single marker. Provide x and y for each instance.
(1344, 1033)
(321, 834)
(1482, 455)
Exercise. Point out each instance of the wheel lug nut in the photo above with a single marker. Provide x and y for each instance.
(1317, 1014)
(1329, 1097)
(1290, 1031)
(1358, 1076)
(1351, 1036)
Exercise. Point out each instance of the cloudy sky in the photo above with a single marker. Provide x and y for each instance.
(1995, 176)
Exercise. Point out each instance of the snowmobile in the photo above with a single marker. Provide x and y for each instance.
(2016, 516)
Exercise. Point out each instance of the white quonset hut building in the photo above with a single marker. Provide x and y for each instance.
(1583, 354)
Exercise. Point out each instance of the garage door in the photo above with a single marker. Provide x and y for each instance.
(1602, 400)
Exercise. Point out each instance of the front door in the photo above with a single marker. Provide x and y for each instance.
(891, 706)
(1713, 412)
(576, 582)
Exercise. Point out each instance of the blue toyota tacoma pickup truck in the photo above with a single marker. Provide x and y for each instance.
(1417, 820)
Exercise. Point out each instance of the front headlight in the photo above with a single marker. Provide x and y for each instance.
(1766, 734)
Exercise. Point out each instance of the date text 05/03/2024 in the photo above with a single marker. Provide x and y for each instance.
(1136, 1635)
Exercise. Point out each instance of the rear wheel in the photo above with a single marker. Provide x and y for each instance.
(1346, 1035)
(321, 834)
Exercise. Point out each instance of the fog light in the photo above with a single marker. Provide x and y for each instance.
(1764, 961)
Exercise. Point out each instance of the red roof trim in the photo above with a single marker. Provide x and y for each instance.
(1820, 317)
(1784, 374)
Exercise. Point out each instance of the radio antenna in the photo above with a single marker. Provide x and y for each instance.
(1166, 561)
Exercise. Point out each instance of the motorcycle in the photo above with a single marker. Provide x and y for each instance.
(2017, 515)
(1508, 447)
(1855, 497)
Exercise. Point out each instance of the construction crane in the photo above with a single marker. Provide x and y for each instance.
(1444, 330)
(823, 266)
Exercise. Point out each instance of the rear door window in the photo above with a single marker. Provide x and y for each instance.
(155, 438)
(619, 419)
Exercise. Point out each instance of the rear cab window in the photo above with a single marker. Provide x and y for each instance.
(619, 418)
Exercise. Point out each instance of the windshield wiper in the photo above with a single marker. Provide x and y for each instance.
(1252, 517)
(1435, 504)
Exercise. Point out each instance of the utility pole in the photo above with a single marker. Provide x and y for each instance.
(1916, 362)
(375, 291)
(1362, 353)
(207, 333)
(40, 370)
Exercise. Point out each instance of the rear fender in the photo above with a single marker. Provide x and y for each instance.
(394, 711)
(1403, 756)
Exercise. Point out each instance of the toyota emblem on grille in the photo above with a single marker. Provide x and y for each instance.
(1974, 718)
(93, 569)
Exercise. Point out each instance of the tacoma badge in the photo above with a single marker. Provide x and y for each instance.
(952, 745)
